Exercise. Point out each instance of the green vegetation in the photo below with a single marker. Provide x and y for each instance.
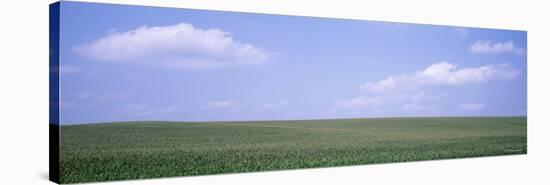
(135, 150)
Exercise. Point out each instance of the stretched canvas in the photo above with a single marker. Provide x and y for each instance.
(147, 92)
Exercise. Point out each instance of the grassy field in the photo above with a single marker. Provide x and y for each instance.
(135, 150)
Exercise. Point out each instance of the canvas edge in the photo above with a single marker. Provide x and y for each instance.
(54, 69)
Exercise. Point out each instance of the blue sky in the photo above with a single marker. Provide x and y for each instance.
(123, 63)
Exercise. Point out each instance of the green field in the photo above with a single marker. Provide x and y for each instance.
(135, 150)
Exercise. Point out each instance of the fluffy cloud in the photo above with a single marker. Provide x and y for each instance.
(489, 47)
(442, 73)
(367, 101)
(424, 97)
(407, 101)
(359, 102)
(472, 106)
(405, 94)
(176, 46)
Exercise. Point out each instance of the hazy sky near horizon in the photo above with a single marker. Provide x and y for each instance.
(124, 63)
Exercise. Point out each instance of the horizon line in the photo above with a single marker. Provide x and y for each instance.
(314, 119)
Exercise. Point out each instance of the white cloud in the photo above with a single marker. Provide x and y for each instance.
(489, 47)
(424, 97)
(275, 105)
(222, 105)
(442, 73)
(405, 94)
(359, 102)
(472, 106)
(406, 101)
(367, 101)
(68, 69)
(175, 46)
